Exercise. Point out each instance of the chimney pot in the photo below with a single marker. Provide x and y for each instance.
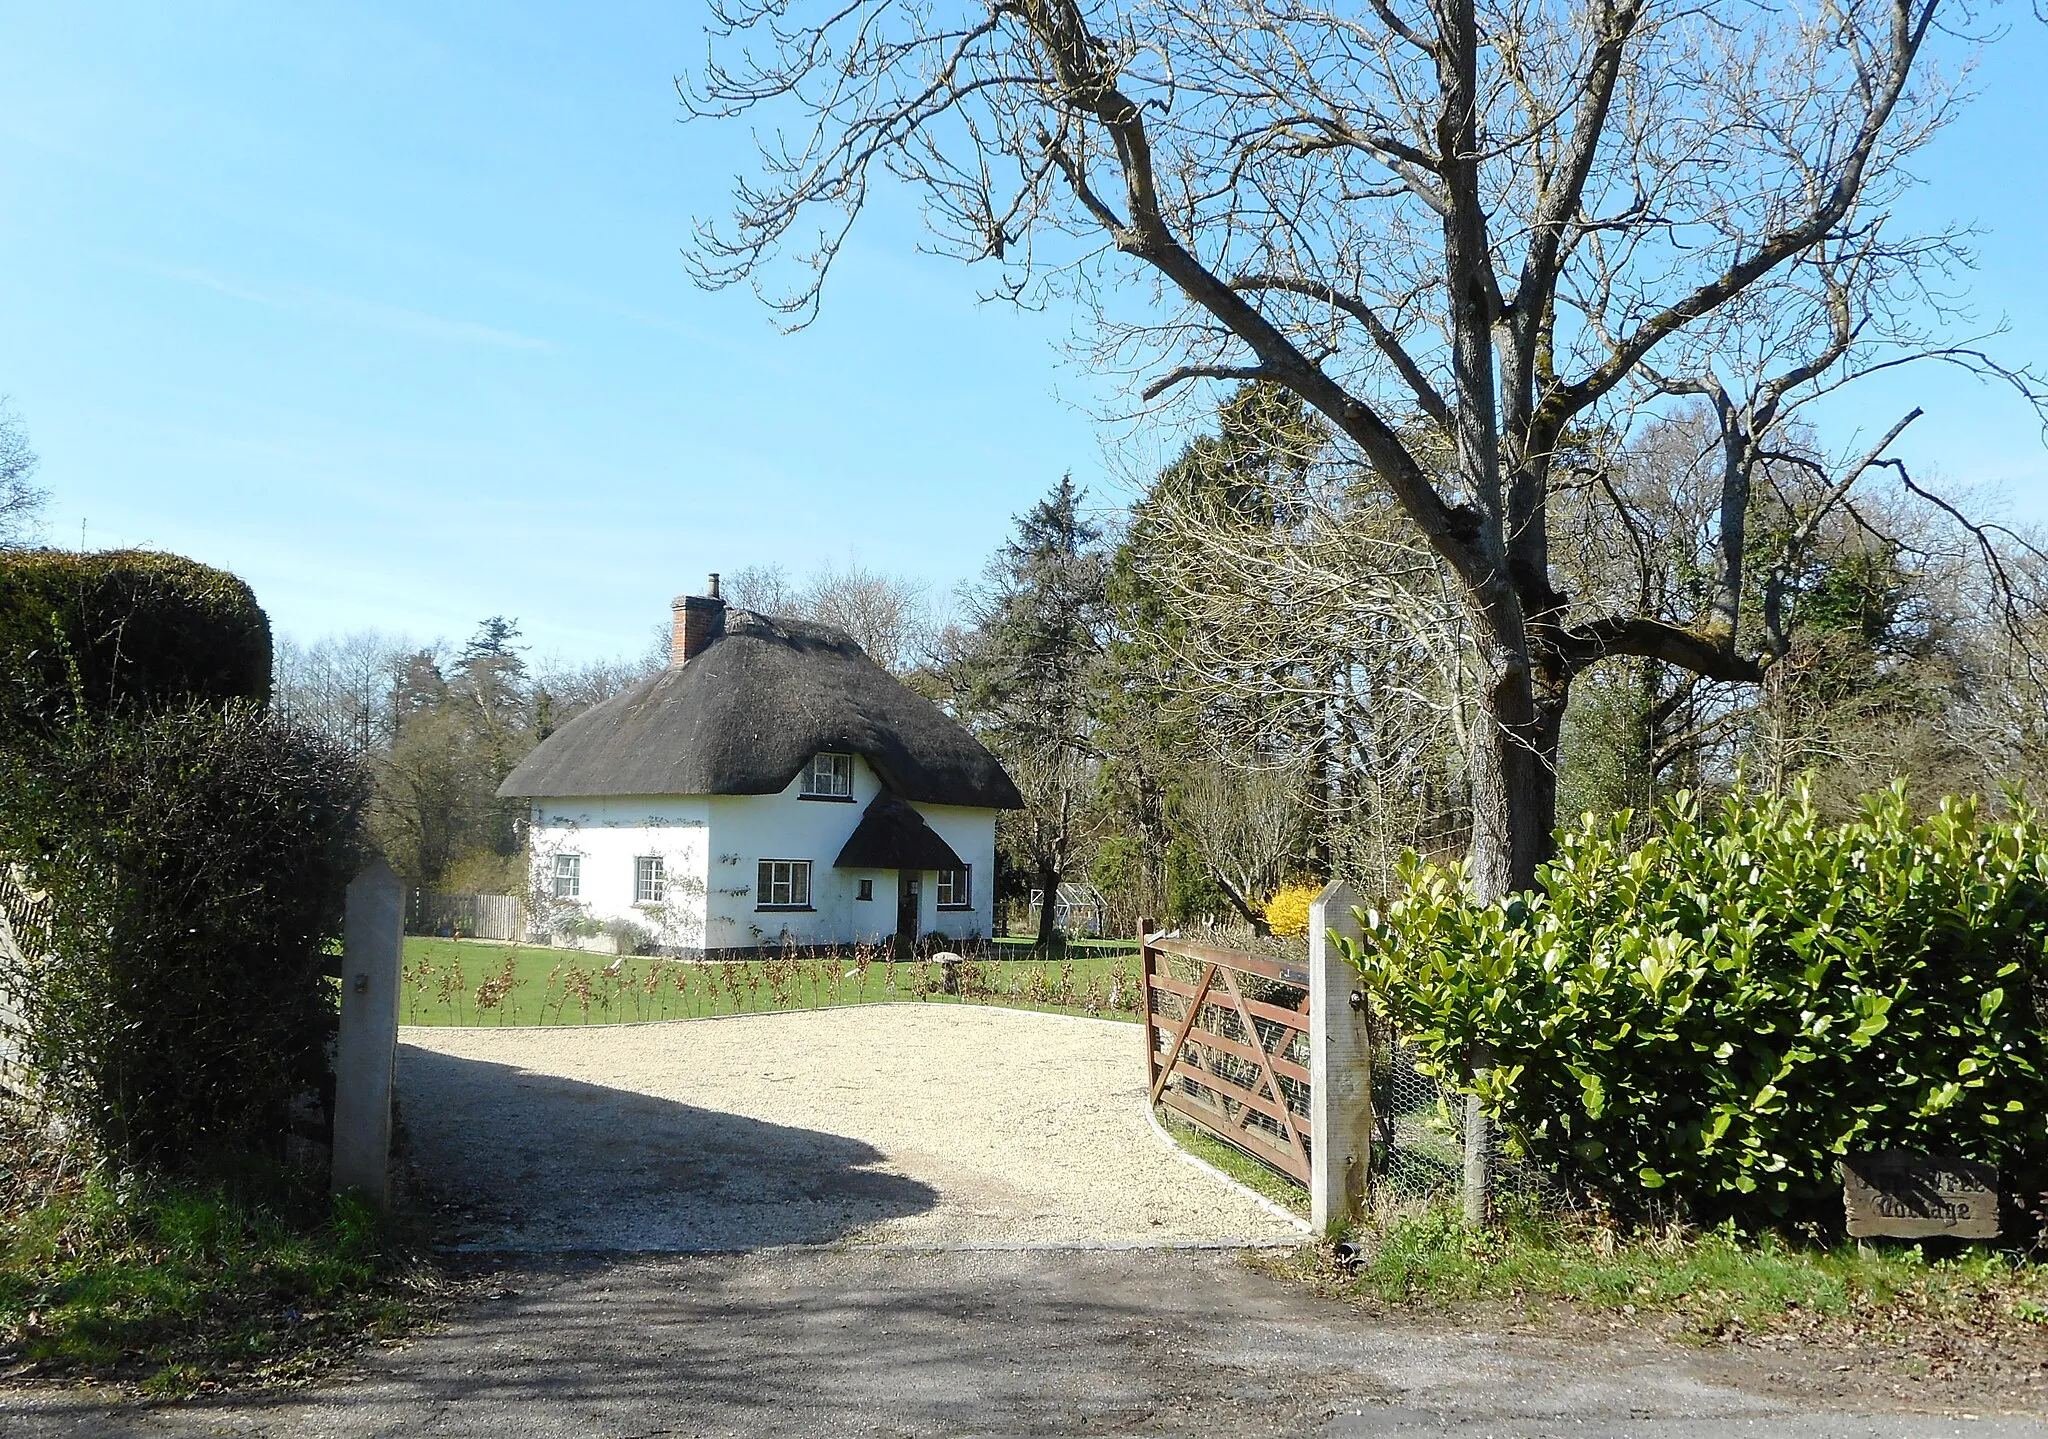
(713, 591)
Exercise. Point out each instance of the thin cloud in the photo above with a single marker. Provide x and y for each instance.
(353, 310)
(397, 318)
(197, 277)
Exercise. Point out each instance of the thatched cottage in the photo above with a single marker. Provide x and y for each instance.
(772, 786)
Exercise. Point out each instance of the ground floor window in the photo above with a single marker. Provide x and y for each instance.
(867, 890)
(650, 880)
(953, 891)
(785, 884)
(568, 876)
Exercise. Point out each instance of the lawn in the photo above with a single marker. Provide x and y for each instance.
(485, 982)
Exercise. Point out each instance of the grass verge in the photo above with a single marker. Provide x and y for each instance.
(1236, 1163)
(1714, 1285)
(178, 1288)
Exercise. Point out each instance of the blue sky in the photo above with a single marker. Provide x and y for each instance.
(381, 307)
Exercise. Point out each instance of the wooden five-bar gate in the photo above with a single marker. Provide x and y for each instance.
(1236, 1064)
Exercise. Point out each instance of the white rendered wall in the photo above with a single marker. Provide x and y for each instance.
(972, 833)
(720, 840)
(748, 828)
(609, 835)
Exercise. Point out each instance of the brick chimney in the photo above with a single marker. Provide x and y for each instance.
(699, 619)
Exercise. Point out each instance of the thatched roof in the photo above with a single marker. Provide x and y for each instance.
(893, 835)
(747, 713)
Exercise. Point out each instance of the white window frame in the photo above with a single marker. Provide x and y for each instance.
(829, 776)
(783, 884)
(650, 879)
(567, 867)
(959, 884)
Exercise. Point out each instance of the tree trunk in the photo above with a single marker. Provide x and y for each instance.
(1513, 770)
(1049, 886)
(1240, 902)
(1514, 814)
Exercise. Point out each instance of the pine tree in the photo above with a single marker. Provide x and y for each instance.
(1024, 680)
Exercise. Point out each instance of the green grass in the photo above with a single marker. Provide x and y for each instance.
(1236, 1163)
(484, 982)
(1713, 1284)
(179, 1287)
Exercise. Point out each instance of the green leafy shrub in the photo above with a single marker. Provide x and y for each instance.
(191, 867)
(121, 632)
(1711, 1018)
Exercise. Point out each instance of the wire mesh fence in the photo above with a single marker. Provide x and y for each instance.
(1418, 1154)
(1418, 1151)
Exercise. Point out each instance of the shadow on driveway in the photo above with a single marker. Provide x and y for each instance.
(528, 1161)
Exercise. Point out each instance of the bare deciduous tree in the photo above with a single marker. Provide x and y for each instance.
(763, 589)
(1246, 825)
(1304, 627)
(21, 503)
(886, 614)
(342, 686)
(1469, 233)
(889, 616)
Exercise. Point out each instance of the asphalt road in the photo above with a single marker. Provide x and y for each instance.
(875, 1342)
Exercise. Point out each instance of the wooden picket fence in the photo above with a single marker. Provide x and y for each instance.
(1233, 1063)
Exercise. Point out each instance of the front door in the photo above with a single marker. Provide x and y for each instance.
(907, 891)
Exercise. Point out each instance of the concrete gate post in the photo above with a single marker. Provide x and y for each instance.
(366, 1049)
(1340, 1068)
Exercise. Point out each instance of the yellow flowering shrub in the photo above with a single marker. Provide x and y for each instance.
(1287, 910)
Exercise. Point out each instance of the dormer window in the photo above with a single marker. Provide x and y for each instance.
(829, 777)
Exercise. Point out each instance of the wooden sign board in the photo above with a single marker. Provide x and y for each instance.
(1897, 1194)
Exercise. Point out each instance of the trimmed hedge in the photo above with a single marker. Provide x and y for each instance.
(193, 866)
(1710, 1019)
(124, 631)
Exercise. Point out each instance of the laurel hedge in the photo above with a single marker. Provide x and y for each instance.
(1706, 1021)
(124, 631)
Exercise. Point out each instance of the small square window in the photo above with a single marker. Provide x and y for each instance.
(953, 890)
(650, 880)
(830, 776)
(568, 876)
(867, 890)
(784, 884)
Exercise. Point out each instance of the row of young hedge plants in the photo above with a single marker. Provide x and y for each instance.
(189, 852)
(1709, 1019)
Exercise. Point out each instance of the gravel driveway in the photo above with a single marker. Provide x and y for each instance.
(921, 1125)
